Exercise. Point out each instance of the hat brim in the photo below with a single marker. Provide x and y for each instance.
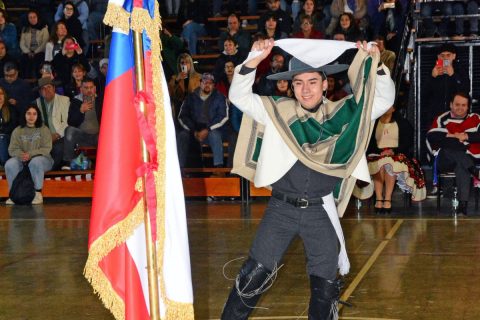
(55, 83)
(328, 70)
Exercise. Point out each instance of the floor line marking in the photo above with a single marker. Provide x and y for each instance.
(305, 317)
(366, 267)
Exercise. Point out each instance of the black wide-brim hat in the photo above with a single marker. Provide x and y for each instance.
(295, 66)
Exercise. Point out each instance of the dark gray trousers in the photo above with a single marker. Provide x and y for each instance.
(282, 222)
(459, 162)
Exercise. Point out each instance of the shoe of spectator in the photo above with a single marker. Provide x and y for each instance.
(9, 202)
(38, 199)
(434, 193)
(66, 168)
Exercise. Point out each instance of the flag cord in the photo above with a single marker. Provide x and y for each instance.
(150, 245)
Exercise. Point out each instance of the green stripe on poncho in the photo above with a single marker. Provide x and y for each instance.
(330, 141)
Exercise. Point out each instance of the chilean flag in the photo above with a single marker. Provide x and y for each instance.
(117, 264)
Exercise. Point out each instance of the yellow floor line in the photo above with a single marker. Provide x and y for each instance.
(353, 285)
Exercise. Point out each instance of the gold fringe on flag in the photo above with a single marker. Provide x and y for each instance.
(117, 17)
(139, 20)
(99, 249)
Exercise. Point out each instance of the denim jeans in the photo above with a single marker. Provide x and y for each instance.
(214, 140)
(38, 166)
(4, 142)
(191, 32)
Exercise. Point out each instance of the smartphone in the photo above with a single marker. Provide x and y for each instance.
(439, 63)
(47, 68)
(446, 62)
(71, 46)
(184, 68)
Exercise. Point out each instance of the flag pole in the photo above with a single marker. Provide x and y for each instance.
(151, 252)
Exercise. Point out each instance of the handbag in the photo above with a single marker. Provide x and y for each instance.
(23, 189)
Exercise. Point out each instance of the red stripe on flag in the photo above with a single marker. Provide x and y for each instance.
(121, 271)
(118, 156)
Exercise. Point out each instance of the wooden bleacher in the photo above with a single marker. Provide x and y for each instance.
(60, 184)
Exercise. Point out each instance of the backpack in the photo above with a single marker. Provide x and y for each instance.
(23, 189)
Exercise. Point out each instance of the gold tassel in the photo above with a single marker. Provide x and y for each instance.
(117, 17)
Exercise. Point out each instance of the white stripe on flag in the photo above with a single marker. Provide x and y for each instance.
(138, 252)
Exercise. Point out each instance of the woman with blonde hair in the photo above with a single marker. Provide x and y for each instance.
(185, 81)
(8, 122)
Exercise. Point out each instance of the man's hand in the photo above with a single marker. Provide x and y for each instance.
(461, 136)
(12, 101)
(265, 46)
(55, 137)
(25, 156)
(201, 135)
(363, 46)
(86, 106)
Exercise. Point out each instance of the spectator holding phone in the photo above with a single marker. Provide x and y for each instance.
(71, 54)
(445, 80)
(84, 117)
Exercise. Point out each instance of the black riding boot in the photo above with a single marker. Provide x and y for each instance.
(324, 298)
(252, 277)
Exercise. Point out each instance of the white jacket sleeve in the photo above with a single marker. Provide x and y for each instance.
(242, 96)
(384, 93)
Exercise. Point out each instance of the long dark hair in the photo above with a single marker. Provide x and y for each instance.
(4, 107)
(23, 120)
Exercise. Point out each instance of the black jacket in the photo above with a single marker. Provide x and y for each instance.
(75, 117)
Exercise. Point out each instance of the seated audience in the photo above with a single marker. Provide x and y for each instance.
(271, 29)
(102, 77)
(172, 46)
(192, 17)
(97, 11)
(445, 8)
(234, 30)
(455, 140)
(5, 56)
(387, 57)
(184, 82)
(283, 88)
(33, 40)
(307, 31)
(202, 116)
(230, 53)
(30, 143)
(8, 122)
(309, 8)
(54, 45)
(84, 118)
(387, 19)
(71, 54)
(74, 14)
(348, 27)
(264, 85)
(335, 91)
(72, 89)
(54, 112)
(445, 80)
(8, 34)
(233, 126)
(18, 90)
(281, 18)
(357, 8)
(389, 161)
